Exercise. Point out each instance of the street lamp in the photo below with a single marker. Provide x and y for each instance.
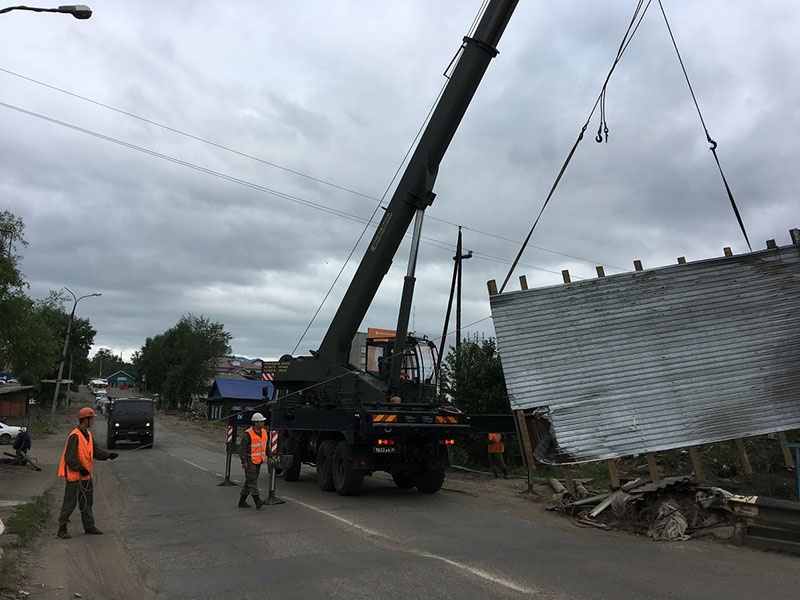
(79, 11)
(64, 352)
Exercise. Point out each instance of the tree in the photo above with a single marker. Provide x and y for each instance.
(105, 363)
(472, 377)
(180, 362)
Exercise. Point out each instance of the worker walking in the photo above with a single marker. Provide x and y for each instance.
(253, 452)
(496, 449)
(76, 465)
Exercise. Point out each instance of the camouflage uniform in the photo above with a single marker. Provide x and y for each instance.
(251, 471)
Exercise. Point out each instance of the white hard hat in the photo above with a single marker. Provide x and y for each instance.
(258, 417)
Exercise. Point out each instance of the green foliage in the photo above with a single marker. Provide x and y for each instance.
(180, 362)
(105, 363)
(472, 379)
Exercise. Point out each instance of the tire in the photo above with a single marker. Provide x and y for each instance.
(346, 479)
(404, 481)
(429, 481)
(293, 472)
(5, 439)
(325, 465)
(111, 443)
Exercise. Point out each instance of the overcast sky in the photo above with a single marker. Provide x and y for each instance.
(222, 159)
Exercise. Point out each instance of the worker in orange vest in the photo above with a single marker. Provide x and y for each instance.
(253, 452)
(496, 449)
(76, 466)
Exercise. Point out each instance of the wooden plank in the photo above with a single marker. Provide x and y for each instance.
(697, 465)
(681, 260)
(565, 276)
(601, 272)
(788, 459)
(746, 466)
(637, 264)
(525, 439)
(491, 285)
(727, 251)
(651, 463)
(568, 480)
(523, 282)
(613, 473)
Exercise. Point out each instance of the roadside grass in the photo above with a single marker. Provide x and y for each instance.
(25, 525)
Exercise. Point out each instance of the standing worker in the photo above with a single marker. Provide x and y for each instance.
(23, 443)
(253, 452)
(77, 462)
(496, 449)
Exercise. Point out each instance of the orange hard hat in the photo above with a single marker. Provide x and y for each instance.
(85, 412)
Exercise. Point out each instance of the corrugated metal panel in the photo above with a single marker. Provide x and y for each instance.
(658, 359)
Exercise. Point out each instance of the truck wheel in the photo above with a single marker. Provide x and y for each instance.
(429, 481)
(325, 465)
(404, 481)
(293, 472)
(346, 479)
(111, 443)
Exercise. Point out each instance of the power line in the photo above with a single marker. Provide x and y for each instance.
(259, 160)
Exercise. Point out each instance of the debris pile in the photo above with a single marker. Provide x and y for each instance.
(673, 509)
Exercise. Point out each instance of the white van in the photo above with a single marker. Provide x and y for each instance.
(96, 385)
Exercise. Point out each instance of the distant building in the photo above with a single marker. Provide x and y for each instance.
(121, 380)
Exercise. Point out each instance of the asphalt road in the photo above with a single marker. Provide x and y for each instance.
(187, 539)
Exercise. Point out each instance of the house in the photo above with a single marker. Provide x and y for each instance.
(15, 401)
(121, 380)
(233, 395)
(238, 367)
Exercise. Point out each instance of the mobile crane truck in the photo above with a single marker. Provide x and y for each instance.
(351, 422)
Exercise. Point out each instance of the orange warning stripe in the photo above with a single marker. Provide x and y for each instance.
(446, 419)
(384, 418)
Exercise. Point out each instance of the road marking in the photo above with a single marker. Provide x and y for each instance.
(472, 570)
(194, 465)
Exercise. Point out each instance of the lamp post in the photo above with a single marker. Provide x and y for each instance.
(64, 352)
(79, 11)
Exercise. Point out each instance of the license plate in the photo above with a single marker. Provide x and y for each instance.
(384, 450)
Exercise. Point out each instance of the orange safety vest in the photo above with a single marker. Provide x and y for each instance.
(496, 444)
(258, 446)
(85, 456)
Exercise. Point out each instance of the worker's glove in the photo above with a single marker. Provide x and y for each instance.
(244, 465)
(112, 455)
(85, 472)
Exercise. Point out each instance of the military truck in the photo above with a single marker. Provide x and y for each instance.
(130, 419)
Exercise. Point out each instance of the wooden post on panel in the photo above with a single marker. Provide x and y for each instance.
(681, 260)
(525, 437)
(523, 282)
(613, 474)
(651, 463)
(491, 285)
(727, 251)
(565, 276)
(601, 272)
(746, 466)
(527, 446)
(771, 245)
(788, 459)
(637, 264)
(697, 465)
(569, 482)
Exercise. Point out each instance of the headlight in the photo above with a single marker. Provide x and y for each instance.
(116, 424)
(147, 424)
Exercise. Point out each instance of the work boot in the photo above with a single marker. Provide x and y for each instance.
(259, 502)
(93, 531)
(63, 533)
(243, 502)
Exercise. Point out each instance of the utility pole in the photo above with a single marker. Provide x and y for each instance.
(455, 290)
(64, 353)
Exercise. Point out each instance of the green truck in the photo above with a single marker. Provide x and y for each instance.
(130, 419)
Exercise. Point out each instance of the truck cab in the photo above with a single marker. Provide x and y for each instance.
(130, 419)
